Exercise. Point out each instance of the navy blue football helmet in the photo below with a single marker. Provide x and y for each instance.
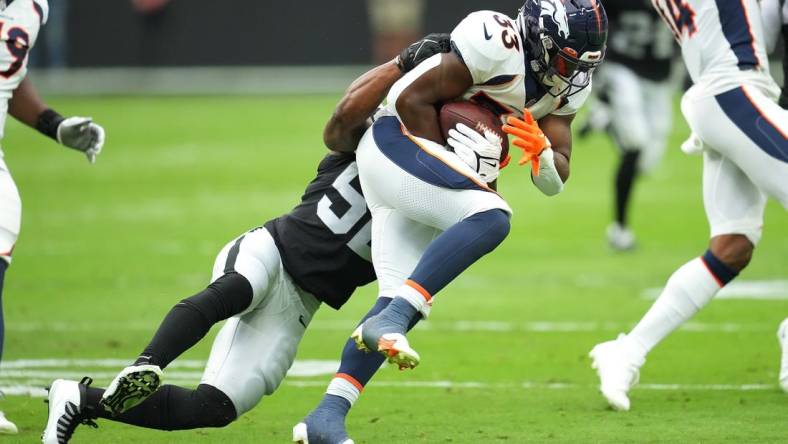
(565, 41)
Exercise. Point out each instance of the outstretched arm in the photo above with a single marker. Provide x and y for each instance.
(79, 133)
(348, 123)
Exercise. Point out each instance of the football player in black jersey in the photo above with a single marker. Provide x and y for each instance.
(635, 90)
(267, 283)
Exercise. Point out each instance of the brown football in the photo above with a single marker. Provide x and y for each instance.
(476, 117)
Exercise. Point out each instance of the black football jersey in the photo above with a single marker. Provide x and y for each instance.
(324, 242)
(639, 39)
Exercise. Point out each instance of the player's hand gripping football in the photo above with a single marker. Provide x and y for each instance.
(81, 134)
(422, 50)
(528, 137)
(482, 152)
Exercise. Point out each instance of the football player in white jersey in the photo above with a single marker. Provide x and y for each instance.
(775, 22)
(737, 124)
(20, 22)
(434, 211)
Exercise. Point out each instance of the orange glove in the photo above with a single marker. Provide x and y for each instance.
(528, 137)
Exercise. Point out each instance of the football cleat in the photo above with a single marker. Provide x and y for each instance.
(782, 336)
(321, 432)
(132, 386)
(66, 410)
(7, 427)
(620, 237)
(618, 371)
(394, 346)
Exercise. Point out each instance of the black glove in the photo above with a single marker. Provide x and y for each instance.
(783, 97)
(422, 50)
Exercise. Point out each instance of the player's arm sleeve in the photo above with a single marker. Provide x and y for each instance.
(480, 55)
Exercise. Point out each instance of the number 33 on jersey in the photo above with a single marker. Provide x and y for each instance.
(20, 23)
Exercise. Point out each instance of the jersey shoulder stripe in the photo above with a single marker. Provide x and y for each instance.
(42, 9)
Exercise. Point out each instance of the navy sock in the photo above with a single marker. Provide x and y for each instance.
(357, 364)
(3, 268)
(722, 272)
(458, 247)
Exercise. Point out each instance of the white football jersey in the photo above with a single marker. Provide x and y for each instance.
(722, 41)
(20, 23)
(489, 43)
(490, 46)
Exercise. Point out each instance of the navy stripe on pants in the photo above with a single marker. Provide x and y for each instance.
(736, 104)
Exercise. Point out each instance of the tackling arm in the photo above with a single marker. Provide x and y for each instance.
(348, 123)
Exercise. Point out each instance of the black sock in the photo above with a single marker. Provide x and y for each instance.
(189, 320)
(172, 408)
(625, 178)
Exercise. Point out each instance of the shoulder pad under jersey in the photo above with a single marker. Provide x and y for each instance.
(484, 39)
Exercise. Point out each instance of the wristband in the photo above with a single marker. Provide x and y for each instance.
(47, 123)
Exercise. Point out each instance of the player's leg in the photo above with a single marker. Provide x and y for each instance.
(428, 185)
(10, 218)
(782, 338)
(734, 208)
(249, 357)
(241, 277)
(73, 403)
(397, 245)
(630, 128)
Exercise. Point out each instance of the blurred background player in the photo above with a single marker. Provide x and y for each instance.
(742, 132)
(635, 101)
(775, 23)
(21, 22)
(430, 223)
(268, 282)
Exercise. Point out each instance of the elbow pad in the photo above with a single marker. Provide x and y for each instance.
(548, 181)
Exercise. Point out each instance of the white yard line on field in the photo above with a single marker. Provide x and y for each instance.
(35, 388)
(468, 326)
(771, 290)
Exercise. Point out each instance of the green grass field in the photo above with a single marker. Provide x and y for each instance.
(107, 249)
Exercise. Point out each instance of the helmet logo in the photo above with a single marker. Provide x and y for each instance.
(556, 12)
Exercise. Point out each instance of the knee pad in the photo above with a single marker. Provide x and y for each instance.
(227, 296)
(499, 223)
(214, 407)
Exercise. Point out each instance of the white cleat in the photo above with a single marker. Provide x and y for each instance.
(300, 435)
(618, 371)
(782, 336)
(7, 427)
(620, 237)
(132, 386)
(394, 346)
(66, 410)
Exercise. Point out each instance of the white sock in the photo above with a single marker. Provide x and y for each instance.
(345, 386)
(688, 290)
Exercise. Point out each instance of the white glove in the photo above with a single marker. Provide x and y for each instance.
(480, 152)
(81, 134)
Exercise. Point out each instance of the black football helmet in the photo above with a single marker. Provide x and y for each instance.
(565, 41)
